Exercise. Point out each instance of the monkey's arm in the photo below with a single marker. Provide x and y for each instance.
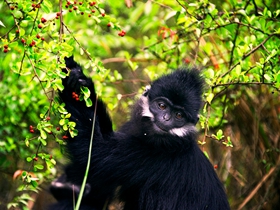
(78, 146)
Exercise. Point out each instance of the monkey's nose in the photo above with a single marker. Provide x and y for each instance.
(166, 117)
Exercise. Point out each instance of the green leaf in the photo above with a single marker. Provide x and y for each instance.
(86, 92)
(58, 84)
(43, 134)
(43, 141)
(62, 122)
(88, 102)
(73, 133)
(67, 47)
(267, 77)
(39, 166)
(34, 184)
(29, 159)
(209, 97)
(238, 70)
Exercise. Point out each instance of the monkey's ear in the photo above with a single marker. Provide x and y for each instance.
(146, 91)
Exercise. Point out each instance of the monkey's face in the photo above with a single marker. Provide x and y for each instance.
(166, 117)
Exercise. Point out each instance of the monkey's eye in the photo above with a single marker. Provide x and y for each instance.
(179, 115)
(162, 106)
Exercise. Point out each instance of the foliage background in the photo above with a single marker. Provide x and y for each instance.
(236, 43)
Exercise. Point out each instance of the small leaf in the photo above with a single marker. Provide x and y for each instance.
(39, 166)
(29, 159)
(88, 102)
(238, 70)
(34, 184)
(62, 122)
(43, 141)
(210, 97)
(43, 134)
(86, 92)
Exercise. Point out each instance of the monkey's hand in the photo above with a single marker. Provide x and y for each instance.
(76, 79)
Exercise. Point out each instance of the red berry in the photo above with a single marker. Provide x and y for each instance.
(82, 13)
(80, 3)
(38, 36)
(215, 166)
(48, 118)
(5, 50)
(12, 7)
(75, 2)
(89, 15)
(58, 14)
(5, 46)
(17, 31)
(30, 127)
(58, 128)
(70, 10)
(65, 137)
(43, 20)
(36, 158)
(75, 8)
(187, 60)
(33, 5)
(42, 38)
(50, 157)
(93, 11)
(103, 14)
(38, 6)
(66, 6)
(68, 2)
(92, 3)
(109, 25)
(23, 41)
(40, 26)
(31, 131)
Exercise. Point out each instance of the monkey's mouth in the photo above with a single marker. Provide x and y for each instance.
(159, 129)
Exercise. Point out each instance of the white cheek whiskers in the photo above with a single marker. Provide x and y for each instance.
(145, 107)
(183, 131)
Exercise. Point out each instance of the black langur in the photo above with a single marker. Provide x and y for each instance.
(153, 162)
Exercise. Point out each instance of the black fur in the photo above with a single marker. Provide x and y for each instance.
(144, 169)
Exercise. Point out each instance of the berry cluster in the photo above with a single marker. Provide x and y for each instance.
(122, 33)
(32, 44)
(35, 6)
(75, 96)
(31, 129)
(6, 48)
(58, 14)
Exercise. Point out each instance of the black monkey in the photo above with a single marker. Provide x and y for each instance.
(153, 162)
